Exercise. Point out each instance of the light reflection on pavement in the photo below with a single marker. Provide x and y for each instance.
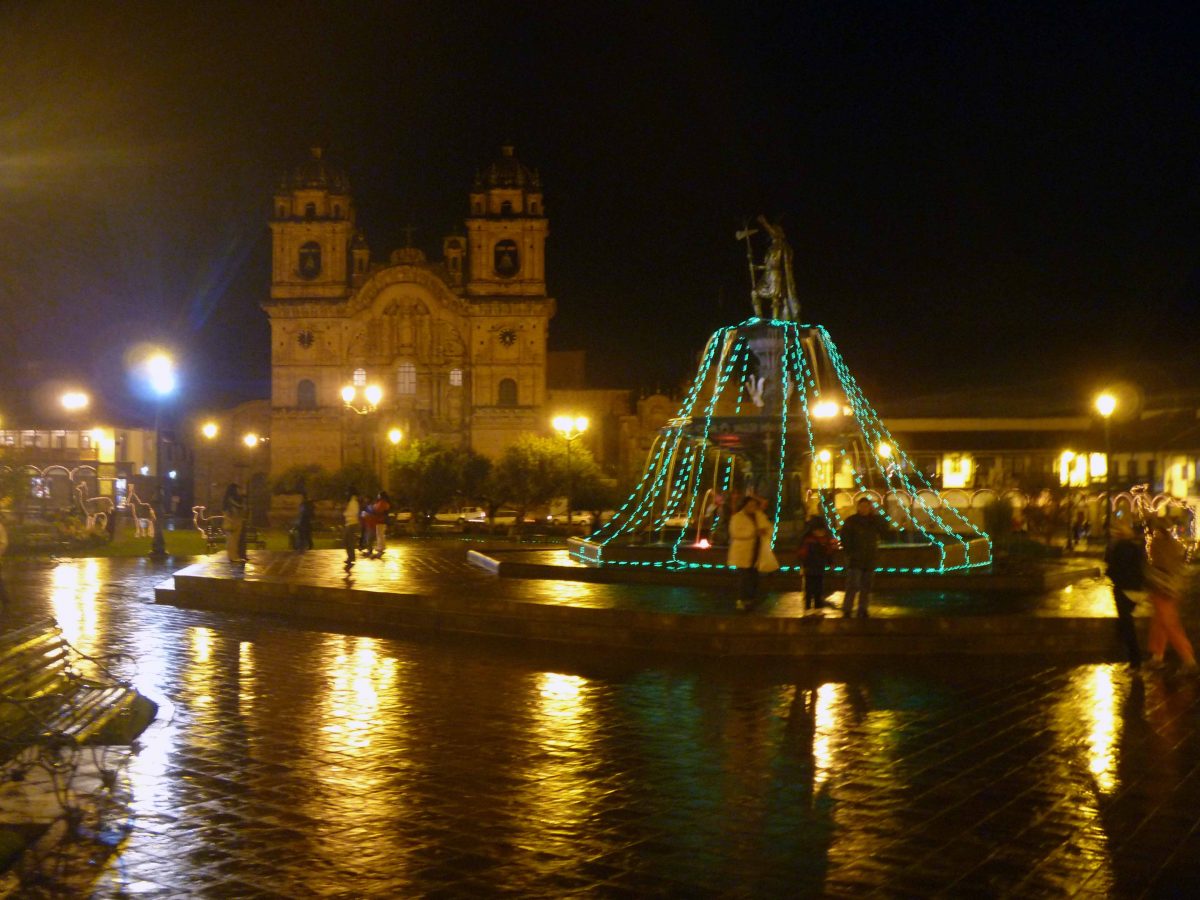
(290, 762)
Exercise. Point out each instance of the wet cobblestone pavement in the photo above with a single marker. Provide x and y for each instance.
(298, 763)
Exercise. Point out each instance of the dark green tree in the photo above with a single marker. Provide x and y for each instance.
(427, 476)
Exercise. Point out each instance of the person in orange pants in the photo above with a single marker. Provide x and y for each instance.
(1165, 577)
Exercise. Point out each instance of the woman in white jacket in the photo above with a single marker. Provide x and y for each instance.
(748, 539)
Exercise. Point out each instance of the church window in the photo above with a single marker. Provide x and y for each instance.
(507, 392)
(478, 208)
(310, 259)
(337, 210)
(306, 395)
(359, 378)
(506, 208)
(282, 212)
(310, 210)
(406, 379)
(505, 259)
(456, 377)
(533, 207)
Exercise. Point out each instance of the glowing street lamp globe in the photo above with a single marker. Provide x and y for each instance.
(395, 436)
(209, 430)
(250, 439)
(1106, 404)
(73, 401)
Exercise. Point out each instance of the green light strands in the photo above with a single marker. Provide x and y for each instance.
(768, 397)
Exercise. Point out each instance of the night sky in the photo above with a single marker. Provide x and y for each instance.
(991, 195)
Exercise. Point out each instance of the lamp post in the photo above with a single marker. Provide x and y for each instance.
(570, 427)
(157, 369)
(395, 436)
(1106, 404)
(209, 430)
(371, 396)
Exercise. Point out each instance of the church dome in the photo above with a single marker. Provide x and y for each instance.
(407, 256)
(315, 173)
(507, 172)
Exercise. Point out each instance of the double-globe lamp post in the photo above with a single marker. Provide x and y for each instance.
(570, 427)
(1106, 404)
(158, 369)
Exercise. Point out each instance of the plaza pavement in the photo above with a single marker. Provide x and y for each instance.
(292, 761)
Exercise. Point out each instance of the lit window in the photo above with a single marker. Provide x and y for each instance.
(456, 377)
(406, 379)
(359, 379)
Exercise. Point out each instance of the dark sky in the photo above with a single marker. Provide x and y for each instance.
(977, 194)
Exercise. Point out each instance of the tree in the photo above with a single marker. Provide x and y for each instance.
(303, 479)
(428, 475)
(531, 471)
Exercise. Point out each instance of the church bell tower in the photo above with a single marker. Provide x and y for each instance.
(312, 229)
(507, 231)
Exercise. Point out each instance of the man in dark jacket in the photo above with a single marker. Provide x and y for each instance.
(860, 537)
(1126, 559)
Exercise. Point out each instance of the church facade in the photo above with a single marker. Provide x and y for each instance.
(457, 347)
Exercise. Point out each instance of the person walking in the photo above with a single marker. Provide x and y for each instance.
(815, 552)
(379, 520)
(304, 524)
(860, 536)
(351, 515)
(1164, 578)
(233, 508)
(748, 539)
(1126, 568)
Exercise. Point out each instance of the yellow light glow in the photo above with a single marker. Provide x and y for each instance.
(824, 456)
(1098, 465)
(374, 394)
(250, 439)
(957, 470)
(570, 427)
(885, 450)
(395, 435)
(826, 409)
(209, 430)
(348, 394)
(1106, 404)
(73, 401)
(1073, 469)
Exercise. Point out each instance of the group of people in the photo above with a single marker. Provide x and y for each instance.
(750, 552)
(365, 524)
(1160, 573)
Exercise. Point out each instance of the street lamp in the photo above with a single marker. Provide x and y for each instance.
(209, 430)
(394, 435)
(74, 401)
(1106, 404)
(371, 397)
(158, 370)
(570, 427)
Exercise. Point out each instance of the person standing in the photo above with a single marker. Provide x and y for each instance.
(379, 518)
(748, 538)
(815, 552)
(351, 513)
(304, 524)
(860, 536)
(1165, 582)
(1126, 561)
(233, 508)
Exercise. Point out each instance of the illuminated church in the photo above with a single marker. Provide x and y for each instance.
(456, 346)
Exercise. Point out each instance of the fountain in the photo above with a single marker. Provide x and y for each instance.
(774, 411)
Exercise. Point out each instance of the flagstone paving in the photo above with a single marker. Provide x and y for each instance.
(300, 763)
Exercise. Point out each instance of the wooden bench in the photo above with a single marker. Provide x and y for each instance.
(50, 709)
